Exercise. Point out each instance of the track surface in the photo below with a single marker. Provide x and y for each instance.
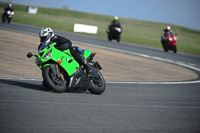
(25, 106)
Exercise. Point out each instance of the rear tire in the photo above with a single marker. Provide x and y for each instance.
(50, 82)
(98, 85)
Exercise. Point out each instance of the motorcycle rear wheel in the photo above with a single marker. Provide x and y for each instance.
(53, 82)
(98, 85)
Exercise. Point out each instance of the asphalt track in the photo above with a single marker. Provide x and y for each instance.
(142, 107)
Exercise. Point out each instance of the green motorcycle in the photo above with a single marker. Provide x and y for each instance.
(60, 71)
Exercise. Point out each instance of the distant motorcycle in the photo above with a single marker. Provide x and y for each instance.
(114, 34)
(6, 16)
(170, 44)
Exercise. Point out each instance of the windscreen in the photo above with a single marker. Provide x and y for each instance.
(44, 45)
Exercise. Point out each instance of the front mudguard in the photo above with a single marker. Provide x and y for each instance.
(53, 68)
(44, 66)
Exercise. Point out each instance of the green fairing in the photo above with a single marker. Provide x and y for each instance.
(86, 53)
(63, 58)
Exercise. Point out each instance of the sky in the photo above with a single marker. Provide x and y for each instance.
(178, 12)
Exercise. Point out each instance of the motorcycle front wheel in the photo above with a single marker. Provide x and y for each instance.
(174, 49)
(165, 47)
(57, 83)
(118, 39)
(109, 37)
(9, 20)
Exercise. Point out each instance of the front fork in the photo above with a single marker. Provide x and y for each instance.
(56, 72)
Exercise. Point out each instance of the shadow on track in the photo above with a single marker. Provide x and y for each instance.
(35, 86)
(24, 84)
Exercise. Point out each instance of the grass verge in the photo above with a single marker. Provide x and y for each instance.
(134, 31)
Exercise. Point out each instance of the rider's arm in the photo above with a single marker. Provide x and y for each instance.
(163, 35)
(39, 46)
(62, 43)
(171, 32)
(112, 22)
(119, 25)
(5, 9)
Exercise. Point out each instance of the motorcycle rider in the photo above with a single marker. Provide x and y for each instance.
(8, 8)
(166, 31)
(47, 35)
(115, 23)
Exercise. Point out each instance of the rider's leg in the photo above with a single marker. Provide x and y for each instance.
(78, 55)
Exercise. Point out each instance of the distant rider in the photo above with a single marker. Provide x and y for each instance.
(115, 23)
(8, 8)
(47, 36)
(166, 31)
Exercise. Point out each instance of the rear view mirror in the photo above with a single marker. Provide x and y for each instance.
(29, 55)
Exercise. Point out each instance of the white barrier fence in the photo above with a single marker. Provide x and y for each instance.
(32, 10)
(85, 28)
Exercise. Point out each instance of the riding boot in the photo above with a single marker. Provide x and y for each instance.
(89, 70)
(77, 53)
(82, 61)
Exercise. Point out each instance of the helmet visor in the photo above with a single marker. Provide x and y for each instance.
(43, 38)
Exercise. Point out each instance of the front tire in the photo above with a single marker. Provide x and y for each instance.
(98, 85)
(9, 20)
(174, 49)
(53, 82)
(165, 46)
(109, 37)
(118, 39)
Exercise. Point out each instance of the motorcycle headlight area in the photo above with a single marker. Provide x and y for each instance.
(119, 29)
(37, 62)
(174, 38)
(48, 55)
